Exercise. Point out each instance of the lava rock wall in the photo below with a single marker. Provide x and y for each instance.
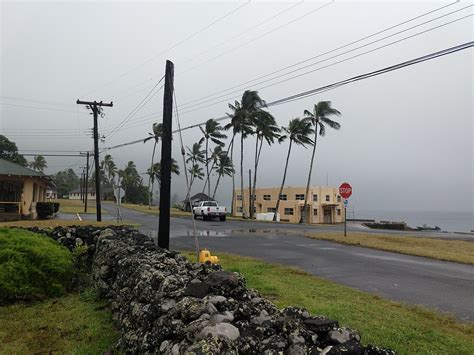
(162, 303)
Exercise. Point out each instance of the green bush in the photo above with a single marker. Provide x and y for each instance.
(32, 266)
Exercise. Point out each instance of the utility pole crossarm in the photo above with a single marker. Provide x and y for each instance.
(94, 103)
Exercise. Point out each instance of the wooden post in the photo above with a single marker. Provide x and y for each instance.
(87, 182)
(165, 187)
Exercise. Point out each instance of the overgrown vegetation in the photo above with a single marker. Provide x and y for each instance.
(77, 323)
(32, 266)
(449, 250)
(406, 329)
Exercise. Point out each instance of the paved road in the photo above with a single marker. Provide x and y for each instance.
(440, 285)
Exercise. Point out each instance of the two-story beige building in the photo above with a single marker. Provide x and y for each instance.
(325, 205)
(20, 189)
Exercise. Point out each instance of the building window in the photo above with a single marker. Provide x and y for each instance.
(283, 197)
(271, 209)
(315, 198)
(239, 197)
(267, 197)
(239, 209)
(338, 198)
(92, 194)
(315, 212)
(288, 211)
(299, 197)
(327, 198)
(338, 211)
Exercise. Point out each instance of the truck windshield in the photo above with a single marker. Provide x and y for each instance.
(211, 204)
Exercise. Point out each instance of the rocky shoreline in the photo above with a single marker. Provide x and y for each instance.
(162, 303)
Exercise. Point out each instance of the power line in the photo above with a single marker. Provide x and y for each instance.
(322, 67)
(37, 107)
(172, 47)
(315, 91)
(245, 31)
(330, 51)
(259, 37)
(331, 64)
(137, 108)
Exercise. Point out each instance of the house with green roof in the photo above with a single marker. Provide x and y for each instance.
(20, 189)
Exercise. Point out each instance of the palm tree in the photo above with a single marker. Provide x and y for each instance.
(224, 166)
(157, 134)
(109, 167)
(298, 132)
(319, 118)
(241, 123)
(212, 131)
(195, 157)
(130, 178)
(38, 163)
(265, 129)
(156, 171)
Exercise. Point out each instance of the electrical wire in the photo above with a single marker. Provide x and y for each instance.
(332, 64)
(243, 32)
(258, 37)
(185, 105)
(37, 107)
(137, 108)
(335, 85)
(171, 47)
(141, 122)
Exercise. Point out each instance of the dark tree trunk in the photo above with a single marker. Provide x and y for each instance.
(283, 182)
(303, 213)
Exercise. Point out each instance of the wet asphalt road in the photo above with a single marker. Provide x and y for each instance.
(444, 286)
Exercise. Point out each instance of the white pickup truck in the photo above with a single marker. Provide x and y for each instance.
(208, 210)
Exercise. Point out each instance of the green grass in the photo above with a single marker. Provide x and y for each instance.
(406, 329)
(76, 206)
(72, 324)
(449, 250)
(52, 223)
(32, 266)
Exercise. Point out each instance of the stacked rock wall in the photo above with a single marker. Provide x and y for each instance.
(162, 303)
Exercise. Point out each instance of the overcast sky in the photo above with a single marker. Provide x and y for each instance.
(406, 136)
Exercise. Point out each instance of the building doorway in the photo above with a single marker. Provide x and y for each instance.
(327, 216)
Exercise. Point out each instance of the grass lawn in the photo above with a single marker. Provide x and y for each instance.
(73, 324)
(406, 329)
(450, 250)
(75, 206)
(155, 210)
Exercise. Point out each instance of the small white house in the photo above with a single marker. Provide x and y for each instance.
(76, 195)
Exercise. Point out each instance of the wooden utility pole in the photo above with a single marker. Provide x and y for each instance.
(96, 108)
(250, 194)
(87, 182)
(81, 184)
(165, 187)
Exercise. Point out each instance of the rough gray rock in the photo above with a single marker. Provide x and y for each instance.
(220, 330)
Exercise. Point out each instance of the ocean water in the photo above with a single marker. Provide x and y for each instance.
(447, 221)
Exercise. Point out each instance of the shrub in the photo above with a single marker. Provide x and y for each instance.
(45, 209)
(32, 266)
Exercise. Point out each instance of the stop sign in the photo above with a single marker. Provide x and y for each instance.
(345, 190)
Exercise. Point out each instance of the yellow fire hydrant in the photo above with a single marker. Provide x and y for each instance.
(206, 257)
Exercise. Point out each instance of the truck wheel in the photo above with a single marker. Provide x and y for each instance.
(195, 215)
(204, 218)
(222, 218)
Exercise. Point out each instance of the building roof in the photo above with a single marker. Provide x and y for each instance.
(200, 197)
(9, 168)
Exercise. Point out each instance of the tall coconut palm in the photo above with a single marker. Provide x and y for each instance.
(298, 132)
(241, 123)
(195, 157)
(224, 166)
(319, 118)
(156, 171)
(212, 131)
(110, 169)
(156, 134)
(38, 163)
(265, 128)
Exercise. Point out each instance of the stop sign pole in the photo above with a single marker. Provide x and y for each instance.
(345, 190)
